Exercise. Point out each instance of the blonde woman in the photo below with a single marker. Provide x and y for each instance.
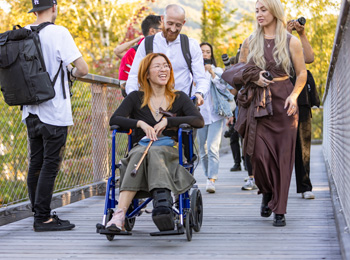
(160, 172)
(271, 48)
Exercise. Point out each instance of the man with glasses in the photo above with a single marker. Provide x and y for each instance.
(150, 26)
(168, 42)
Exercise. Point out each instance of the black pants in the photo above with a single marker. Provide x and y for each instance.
(302, 151)
(47, 144)
(235, 148)
(248, 165)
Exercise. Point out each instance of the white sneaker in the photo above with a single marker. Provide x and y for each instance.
(210, 186)
(308, 195)
(249, 185)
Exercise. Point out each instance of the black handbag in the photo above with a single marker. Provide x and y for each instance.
(314, 98)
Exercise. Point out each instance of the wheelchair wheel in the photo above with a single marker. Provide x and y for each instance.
(108, 218)
(197, 209)
(188, 225)
(130, 222)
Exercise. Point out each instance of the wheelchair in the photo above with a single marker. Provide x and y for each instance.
(188, 210)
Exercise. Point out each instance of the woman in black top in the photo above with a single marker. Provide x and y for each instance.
(160, 172)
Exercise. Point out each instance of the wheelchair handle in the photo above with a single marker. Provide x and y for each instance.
(166, 113)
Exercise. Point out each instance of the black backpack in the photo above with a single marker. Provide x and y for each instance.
(23, 76)
(185, 47)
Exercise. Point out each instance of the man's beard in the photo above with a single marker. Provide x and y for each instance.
(169, 37)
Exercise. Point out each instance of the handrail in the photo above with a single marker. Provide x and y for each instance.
(344, 10)
(97, 79)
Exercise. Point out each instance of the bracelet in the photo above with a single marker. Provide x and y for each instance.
(71, 73)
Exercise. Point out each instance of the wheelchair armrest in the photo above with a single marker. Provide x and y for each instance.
(114, 127)
(185, 127)
(120, 129)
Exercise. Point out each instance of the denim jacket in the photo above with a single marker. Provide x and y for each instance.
(220, 99)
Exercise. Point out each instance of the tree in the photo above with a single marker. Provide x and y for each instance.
(216, 25)
(96, 25)
(320, 30)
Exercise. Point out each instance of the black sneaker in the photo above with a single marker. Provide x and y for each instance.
(236, 168)
(55, 225)
(54, 215)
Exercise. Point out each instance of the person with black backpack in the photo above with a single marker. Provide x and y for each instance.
(188, 67)
(150, 26)
(48, 121)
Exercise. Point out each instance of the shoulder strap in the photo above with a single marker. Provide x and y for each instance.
(185, 47)
(135, 47)
(149, 44)
(36, 39)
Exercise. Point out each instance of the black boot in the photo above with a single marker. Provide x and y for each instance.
(265, 211)
(279, 220)
(162, 213)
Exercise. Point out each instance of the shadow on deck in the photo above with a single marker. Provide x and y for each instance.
(232, 227)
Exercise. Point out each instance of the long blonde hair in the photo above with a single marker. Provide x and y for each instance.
(146, 87)
(280, 51)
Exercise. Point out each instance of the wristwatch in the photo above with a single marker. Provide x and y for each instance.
(200, 93)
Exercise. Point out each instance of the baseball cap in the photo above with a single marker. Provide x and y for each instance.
(40, 5)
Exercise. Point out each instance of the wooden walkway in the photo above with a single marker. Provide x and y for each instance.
(232, 228)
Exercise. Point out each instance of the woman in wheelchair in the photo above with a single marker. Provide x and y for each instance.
(160, 172)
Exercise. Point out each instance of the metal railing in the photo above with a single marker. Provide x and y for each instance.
(88, 146)
(336, 123)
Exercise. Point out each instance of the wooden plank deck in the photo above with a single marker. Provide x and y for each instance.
(232, 228)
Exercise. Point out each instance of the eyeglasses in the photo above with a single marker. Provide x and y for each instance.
(157, 28)
(160, 67)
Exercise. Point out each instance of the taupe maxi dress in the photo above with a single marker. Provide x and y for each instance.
(273, 156)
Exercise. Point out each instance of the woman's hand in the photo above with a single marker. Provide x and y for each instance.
(263, 82)
(292, 104)
(209, 68)
(161, 126)
(149, 130)
(290, 26)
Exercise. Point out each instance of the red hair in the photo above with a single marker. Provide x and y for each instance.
(144, 82)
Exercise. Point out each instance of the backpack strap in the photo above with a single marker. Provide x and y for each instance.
(62, 79)
(185, 47)
(149, 44)
(36, 38)
(135, 47)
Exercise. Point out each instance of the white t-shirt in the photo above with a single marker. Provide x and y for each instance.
(57, 44)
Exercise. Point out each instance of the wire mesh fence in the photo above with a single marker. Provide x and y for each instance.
(336, 124)
(88, 146)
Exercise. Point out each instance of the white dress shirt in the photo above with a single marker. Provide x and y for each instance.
(182, 74)
(207, 109)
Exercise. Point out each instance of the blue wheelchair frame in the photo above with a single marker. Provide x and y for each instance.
(186, 221)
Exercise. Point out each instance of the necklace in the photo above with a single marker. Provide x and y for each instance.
(268, 42)
(270, 35)
(157, 109)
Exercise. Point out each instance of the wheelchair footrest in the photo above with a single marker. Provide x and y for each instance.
(103, 231)
(179, 231)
